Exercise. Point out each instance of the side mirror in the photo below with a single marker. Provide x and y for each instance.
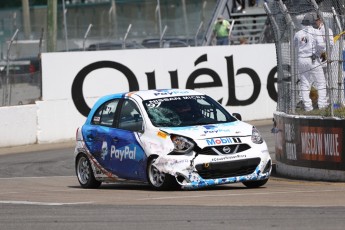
(140, 131)
(238, 116)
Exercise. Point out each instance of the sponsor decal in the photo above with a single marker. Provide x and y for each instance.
(209, 127)
(321, 144)
(223, 140)
(193, 97)
(125, 152)
(290, 141)
(209, 131)
(104, 152)
(169, 92)
(157, 102)
(228, 158)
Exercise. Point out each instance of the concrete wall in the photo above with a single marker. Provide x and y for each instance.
(18, 125)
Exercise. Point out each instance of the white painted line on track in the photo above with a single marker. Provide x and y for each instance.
(55, 190)
(240, 194)
(36, 177)
(41, 203)
(5, 193)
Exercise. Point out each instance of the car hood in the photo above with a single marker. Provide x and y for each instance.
(199, 132)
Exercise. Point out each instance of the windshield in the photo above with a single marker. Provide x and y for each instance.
(186, 111)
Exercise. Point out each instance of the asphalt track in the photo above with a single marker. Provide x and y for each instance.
(39, 190)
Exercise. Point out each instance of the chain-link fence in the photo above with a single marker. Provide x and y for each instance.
(287, 18)
(110, 25)
(96, 25)
(20, 89)
(107, 21)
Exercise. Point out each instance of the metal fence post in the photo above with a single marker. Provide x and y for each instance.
(85, 36)
(331, 98)
(340, 56)
(197, 33)
(8, 87)
(125, 38)
(292, 80)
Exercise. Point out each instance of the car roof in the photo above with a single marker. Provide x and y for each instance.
(162, 93)
(150, 94)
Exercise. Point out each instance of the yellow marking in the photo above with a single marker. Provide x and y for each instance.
(162, 135)
(336, 38)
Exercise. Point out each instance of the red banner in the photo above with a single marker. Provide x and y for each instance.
(321, 143)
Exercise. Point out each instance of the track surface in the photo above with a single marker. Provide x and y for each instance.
(39, 190)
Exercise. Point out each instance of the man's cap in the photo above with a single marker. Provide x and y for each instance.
(220, 17)
(309, 19)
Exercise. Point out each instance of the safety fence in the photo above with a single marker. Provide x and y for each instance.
(20, 89)
(286, 20)
(90, 26)
(107, 21)
(112, 25)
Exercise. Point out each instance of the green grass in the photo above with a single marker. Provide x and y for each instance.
(338, 112)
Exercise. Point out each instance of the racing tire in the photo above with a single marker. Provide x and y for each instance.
(255, 184)
(158, 180)
(84, 173)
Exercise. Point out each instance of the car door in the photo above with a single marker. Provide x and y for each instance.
(113, 139)
(96, 134)
(127, 156)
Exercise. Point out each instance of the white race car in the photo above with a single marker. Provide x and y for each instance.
(173, 138)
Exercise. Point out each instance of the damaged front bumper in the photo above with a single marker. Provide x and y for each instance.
(193, 172)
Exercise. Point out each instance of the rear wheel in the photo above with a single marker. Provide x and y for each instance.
(255, 184)
(84, 173)
(159, 180)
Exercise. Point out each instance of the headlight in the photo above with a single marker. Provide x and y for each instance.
(182, 144)
(256, 136)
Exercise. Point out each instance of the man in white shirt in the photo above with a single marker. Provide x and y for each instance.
(308, 45)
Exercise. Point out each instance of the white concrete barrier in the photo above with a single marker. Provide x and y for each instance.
(18, 125)
(57, 121)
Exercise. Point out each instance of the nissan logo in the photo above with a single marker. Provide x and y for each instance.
(226, 149)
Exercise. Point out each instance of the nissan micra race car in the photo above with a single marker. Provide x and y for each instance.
(170, 139)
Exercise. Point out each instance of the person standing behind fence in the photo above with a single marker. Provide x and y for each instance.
(308, 45)
(221, 31)
(323, 56)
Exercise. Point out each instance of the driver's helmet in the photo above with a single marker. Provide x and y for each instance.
(182, 106)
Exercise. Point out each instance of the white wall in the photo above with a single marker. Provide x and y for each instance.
(56, 117)
(18, 125)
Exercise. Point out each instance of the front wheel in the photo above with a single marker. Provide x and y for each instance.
(159, 180)
(84, 173)
(255, 184)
